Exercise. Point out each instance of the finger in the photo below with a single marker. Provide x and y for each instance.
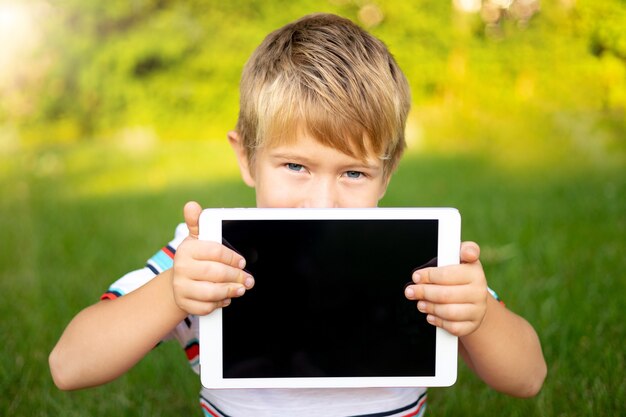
(204, 250)
(191, 213)
(211, 271)
(442, 275)
(220, 273)
(442, 294)
(199, 308)
(457, 328)
(449, 312)
(209, 292)
(470, 252)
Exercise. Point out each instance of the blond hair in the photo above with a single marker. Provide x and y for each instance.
(325, 74)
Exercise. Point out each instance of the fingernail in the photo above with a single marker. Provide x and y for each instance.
(409, 292)
(421, 306)
(242, 263)
(249, 282)
(416, 278)
(226, 302)
(240, 291)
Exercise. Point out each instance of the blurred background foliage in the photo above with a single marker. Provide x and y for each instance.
(518, 79)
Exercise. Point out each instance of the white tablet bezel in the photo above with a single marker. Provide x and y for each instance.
(210, 337)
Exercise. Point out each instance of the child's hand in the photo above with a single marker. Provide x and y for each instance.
(206, 275)
(453, 297)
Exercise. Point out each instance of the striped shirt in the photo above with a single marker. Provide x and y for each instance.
(370, 402)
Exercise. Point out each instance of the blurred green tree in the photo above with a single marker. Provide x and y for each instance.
(172, 68)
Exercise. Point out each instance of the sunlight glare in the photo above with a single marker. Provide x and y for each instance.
(19, 32)
(468, 6)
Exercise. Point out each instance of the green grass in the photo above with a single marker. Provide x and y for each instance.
(73, 219)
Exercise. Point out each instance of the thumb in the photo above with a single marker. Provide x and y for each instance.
(470, 252)
(191, 212)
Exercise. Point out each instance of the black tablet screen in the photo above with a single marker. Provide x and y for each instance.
(329, 299)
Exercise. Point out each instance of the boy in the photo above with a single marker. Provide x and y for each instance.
(321, 124)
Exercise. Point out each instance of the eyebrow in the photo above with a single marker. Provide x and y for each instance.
(357, 163)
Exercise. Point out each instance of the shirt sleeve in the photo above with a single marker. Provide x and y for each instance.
(494, 295)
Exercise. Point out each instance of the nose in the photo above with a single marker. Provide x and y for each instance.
(321, 193)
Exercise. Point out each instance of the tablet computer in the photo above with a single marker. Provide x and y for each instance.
(328, 306)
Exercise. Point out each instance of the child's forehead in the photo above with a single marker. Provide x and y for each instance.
(302, 143)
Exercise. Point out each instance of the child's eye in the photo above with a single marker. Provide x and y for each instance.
(294, 167)
(354, 174)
